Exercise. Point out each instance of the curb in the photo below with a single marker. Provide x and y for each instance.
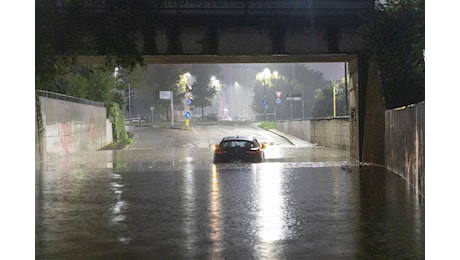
(279, 134)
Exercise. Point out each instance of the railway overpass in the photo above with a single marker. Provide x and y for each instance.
(234, 31)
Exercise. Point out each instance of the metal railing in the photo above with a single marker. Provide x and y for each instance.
(44, 93)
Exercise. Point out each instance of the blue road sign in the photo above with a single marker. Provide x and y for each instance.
(188, 101)
(187, 114)
(278, 101)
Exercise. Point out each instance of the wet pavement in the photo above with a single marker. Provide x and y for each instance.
(172, 202)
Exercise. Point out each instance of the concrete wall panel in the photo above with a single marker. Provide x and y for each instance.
(405, 144)
(72, 127)
(334, 133)
(300, 129)
(331, 132)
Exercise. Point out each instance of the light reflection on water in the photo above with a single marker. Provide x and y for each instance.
(271, 215)
(119, 208)
(215, 216)
(189, 205)
(237, 211)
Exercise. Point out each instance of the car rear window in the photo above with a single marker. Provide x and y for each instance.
(237, 143)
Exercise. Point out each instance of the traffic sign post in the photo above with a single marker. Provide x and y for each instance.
(187, 118)
(169, 95)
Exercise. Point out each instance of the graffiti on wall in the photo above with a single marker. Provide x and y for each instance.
(92, 129)
(66, 136)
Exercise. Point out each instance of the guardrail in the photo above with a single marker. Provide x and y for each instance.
(49, 94)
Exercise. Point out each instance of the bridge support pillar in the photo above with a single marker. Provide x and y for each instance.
(367, 111)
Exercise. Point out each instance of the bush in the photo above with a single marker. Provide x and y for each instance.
(117, 117)
(267, 125)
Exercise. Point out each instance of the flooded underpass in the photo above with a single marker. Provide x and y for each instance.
(304, 202)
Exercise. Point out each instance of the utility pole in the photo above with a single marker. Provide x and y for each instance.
(129, 100)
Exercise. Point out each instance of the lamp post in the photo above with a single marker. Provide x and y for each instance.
(334, 106)
(151, 109)
(188, 96)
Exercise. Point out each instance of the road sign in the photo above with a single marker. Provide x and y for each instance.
(165, 94)
(188, 101)
(187, 114)
(294, 97)
(278, 101)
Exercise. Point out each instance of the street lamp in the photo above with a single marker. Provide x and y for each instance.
(188, 98)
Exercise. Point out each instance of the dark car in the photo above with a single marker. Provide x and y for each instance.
(239, 148)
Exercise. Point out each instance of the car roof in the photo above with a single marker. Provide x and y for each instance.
(238, 138)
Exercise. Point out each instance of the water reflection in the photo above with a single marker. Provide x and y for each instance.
(119, 208)
(189, 206)
(391, 217)
(214, 216)
(271, 215)
(270, 203)
(151, 207)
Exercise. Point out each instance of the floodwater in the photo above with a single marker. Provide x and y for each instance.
(176, 204)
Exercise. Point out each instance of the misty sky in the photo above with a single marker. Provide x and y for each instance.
(331, 70)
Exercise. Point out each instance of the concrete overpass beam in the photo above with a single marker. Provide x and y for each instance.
(367, 111)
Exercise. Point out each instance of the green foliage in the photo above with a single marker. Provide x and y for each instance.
(89, 82)
(203, 90)
(287, 79)
(117, 117)
(267, 124)
(395, 33)
(324, 104)
(125, 81)
(158, 78)
(38, 116)
(65, 28)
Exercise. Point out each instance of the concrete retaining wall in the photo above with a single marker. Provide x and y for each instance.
(404, 148)
(72, 127)
(333, 132)
(329, 132)
(300, 129)
(405, 144)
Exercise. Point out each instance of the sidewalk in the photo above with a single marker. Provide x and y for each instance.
(292, 139)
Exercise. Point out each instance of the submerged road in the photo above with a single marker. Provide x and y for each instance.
(163, 198)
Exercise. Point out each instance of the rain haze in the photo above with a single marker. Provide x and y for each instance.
(243, 129)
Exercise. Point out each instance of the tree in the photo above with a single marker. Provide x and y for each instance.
(203, 90)
(126, 84)
(267, 83)
(288, 79)
(395, 34)
(309, 80)
(66, 28)
(324, 100)
(89, 82)
(160, 77)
